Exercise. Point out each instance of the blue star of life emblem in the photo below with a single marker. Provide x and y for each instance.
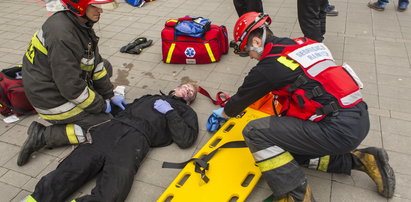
(190, 52)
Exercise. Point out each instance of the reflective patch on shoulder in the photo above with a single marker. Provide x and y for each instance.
(288, 62)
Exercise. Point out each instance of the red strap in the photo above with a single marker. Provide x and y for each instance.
(219, 100)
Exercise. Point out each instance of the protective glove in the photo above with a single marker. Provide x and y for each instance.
(216, 120)
(108, 108)
(162, 106)
(119, 101)
(220, 113)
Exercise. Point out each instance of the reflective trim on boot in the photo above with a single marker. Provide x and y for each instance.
(29, 198)
(375, 164)
(34, 142)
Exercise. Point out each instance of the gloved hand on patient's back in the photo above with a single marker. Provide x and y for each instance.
(108, 107)
(162, 106)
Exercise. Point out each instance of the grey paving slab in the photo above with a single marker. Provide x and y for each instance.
(8, 192)
(345, 193)
(14, 178)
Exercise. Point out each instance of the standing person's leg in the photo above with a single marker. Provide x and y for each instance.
(61, 133)
(309, 19)
(402, 5)
(240, 7)
(323, 16)
(79, 167)
(116, 179)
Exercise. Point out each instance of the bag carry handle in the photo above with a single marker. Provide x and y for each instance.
(218, 100)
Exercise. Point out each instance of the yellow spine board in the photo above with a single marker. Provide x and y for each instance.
(232, 171)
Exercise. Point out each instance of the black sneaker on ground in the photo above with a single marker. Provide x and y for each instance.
(34, 142)
(375, 163)
(332, 13)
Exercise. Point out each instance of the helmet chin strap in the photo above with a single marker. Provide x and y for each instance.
(260, 49)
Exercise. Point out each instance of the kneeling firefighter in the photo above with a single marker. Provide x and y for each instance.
(323, 117)
(66, 79)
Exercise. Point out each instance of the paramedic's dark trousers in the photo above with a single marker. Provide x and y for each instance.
(311, 17)
(114, 157)
(280, 145)
(245, 6)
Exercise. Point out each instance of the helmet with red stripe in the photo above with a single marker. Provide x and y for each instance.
(245, 25)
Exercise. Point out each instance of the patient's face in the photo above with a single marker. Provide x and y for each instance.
(187, 91)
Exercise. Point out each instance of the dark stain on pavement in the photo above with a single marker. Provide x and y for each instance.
(122, 74)
(149, 74)
(145, 86)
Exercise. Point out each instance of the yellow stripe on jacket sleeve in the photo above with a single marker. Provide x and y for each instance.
(170, 52)
(210, 52)
(71, 135)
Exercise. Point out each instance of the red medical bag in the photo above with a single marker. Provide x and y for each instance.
(180, 49)
(13, 100)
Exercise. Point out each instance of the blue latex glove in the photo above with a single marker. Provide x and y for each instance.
(219, 113)
(216, 120)
(162, 106)
(119, 101)
(108, 108)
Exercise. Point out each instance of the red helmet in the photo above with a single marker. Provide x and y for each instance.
(246, 24)
(78, 7)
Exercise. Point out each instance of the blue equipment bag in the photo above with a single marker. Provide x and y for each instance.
(193, 26)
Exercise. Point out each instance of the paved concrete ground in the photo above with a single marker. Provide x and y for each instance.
(376, 44)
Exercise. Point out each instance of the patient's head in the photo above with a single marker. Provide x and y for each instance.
(187, 91)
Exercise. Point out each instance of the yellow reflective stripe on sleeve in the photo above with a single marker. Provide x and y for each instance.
(30, 199)
(76, 110)
(288, 62)
(100, 74)
(170, 52)
(324, 161)
(89, 100)
(37, 44)
(73, 201)
(87, 68)
(210, 52)
(275, 162)
(71, 135)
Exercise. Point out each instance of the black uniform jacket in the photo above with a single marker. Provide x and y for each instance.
(266, 76)
(179, 125)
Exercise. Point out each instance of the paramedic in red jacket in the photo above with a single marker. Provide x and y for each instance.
(323, 118)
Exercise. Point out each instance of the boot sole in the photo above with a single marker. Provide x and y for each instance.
(389, 184)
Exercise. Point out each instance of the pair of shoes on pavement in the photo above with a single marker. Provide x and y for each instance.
(330, 10)
(380, 6)
(136, 46)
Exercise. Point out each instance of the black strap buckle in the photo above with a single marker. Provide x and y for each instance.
(328, 109)
(315, 92)
(301, 80)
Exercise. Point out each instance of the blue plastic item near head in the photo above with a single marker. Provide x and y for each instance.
(214, 123)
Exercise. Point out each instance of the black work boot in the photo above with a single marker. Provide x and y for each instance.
(34, 142)
(375, 163)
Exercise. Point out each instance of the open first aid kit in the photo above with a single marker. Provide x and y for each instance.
(191, 40)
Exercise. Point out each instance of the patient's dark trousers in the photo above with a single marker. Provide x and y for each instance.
(280, 145)
(116, 156)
